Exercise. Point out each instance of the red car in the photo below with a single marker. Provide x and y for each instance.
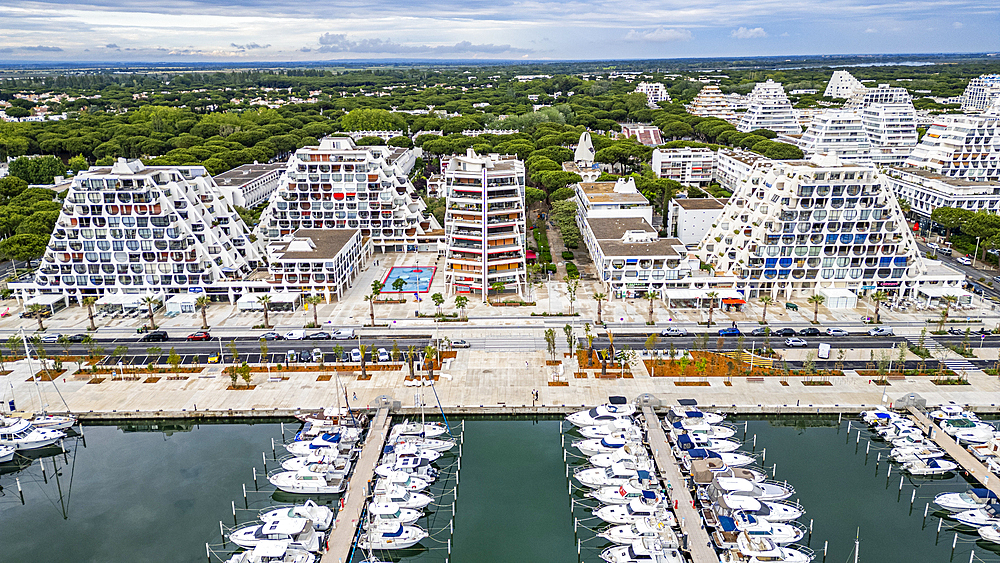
(200, 336)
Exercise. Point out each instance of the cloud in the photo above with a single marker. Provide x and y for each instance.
(871, 30)
(660, 34)
(749, 33)
(339, 43)
(958, 25)
(249, 46)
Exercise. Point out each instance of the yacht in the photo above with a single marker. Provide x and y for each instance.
(633, 453)
(405, 481)
(729, 528)
(687, 409)
(922, 466)
(7, 453)
(312, 480)
(333, 416)
(298, 532)
(634, 511)
(22, 435)
(338, 462)
(978, 517)
(387, 492)
(624, 534)
(976, 436)
(607, 428)
(382, 512)
(392, 452)
(952, 426)
(688, 441)
(391, 536)
(321, 516)
(696, 426)
(616, 408)
(757, 548)
(730, 459)
(772, 511)
(435, 444)
(703, 471)
(617, 474)
(330, 444)
(991, 533)
(425, 430)
(607, 444)
(50, 421)
(911, 453)
(273, 551)
(968, 500)
(623, 494)
(644, 550)
(951, 412)
(415, 466)
(912, 441)
(899, 429)
(879, 416)
(767, 490)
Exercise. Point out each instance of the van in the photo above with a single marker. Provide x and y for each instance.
(295, 335)
(824, 351)
(881, 331)
(343, 334)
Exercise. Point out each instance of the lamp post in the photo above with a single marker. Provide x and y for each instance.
(975, 253)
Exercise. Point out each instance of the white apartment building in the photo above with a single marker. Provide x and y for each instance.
(734, 165)
(250, 185)
(769, 108)
(798, 228)
(654, 91)
(485, 224)
(144, 230)
(842, 84)
(926, 190)
(611, 200)
(337, 185)
(891, 131)
(840, 133)
(711, 102)
(689, 166)
(965, 147)
(883, 94)
(689, 219)
(319, 261)
(981, 93)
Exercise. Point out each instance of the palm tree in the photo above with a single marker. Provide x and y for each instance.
(949, 300)
(461, 301)
(411, 354)
(878, 297)
(372, 297)
(429, 353)
(765, 300)
(150, 302)
(599, 297)
(651, 297)
(89, 302)
(314, 301)
(201, 304)
(36, 310)
(816, 300)
(711, 305)
(363, 349)
(265, 301)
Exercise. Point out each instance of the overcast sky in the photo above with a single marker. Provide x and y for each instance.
(259, 30)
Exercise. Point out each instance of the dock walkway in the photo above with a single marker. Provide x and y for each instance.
(699, 544)
(342, 534)
(961, 455)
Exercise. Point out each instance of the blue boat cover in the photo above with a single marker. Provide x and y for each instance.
(388, 449)
(648, 494)
(331, 437)
(395, 534)
(727, 524)
(694, 414)
(983, 493)
(617, 400)
(687, 402)
(604, 442)
(684, 440)
(881, 415)
(643, 474)
(678, 425)
(702, 453)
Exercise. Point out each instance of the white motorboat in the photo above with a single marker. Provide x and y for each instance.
(952, 426)
(617, 407)
(929, 466)
(22, 435)
(435, 444)
(309, 482)
(390, 512)
(392, 452)
(912, 441)
(425, 430)
(331, 416)
(331, 444)
(321, 516)
(634, 511)
(50, 421)
(606, 429)
(771, 510)
(625, 534)
(633, 453)
(273, 551)
(415, 466)
(298, 532)
(951, 412)
(730, 459)
(703, 471)
(395, 536)
(687, 409)
(697, 426)
(899, 429)
(606, 444)
(645, 550)
(720, 445)
(990, 533)
(910, 453)
(386, 492)
(978, 517)
(623, 494)
(336, 461)
(7, 453)
(968, 500)
(730, 527)
(975, 436)
(617, 474)
(767, 490)
(405, 481)
(879, 416)
(758, 548)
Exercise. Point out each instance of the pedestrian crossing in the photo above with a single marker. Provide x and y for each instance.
(935, 348)
(959, 365)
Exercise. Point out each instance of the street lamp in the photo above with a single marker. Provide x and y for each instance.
(975, 253)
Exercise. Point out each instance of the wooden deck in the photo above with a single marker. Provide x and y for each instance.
(342, 534)
(962, 456)
(699, 544)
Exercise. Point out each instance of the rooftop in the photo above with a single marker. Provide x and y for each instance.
(605, 192)
(701, 203)
(247, 173)
(313, 244)
(931, 175)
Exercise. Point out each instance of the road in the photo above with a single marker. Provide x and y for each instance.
(855, 340)
(973, 274)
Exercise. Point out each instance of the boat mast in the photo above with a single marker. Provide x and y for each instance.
(856, 545)
(27, 356)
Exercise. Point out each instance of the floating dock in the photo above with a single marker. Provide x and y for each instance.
(962, 456)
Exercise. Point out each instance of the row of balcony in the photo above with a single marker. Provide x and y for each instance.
(206, 279)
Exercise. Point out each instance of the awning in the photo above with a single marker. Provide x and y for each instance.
(941, 291)
(731, 301)
(530, 255)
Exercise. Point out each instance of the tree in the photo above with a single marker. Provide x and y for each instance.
(89, 302)
(265, 301)
(246, 373)
(377, 287)
(151, 302)
(570, 339)
(816, 300)
(572, 285)
(40, 170)
(712, 295)
(982, 225)
(202, 304)
(78, 163)
(550, 342)
(398, 285)
(36, 310)
(651, 297)
(15, 345)
(949, 300)
(429, 354)
(314, 301)
(533, 196)
(366, 119)
(438, 300)
(497, 288)
(878, 297)
(264, 349)
(765, 300)
(950, 218)
(411, 354)
(461, 301)
(599, 297)
(364, 351)
(24, 247)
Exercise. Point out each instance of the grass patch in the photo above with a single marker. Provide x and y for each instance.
(151, 380)
(817, 384)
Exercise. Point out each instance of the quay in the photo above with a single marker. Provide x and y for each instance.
(699, 545)
(962, 456)
(348, 520)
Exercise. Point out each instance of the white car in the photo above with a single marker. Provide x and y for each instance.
(881, 331)
(795, 342)
(674, 331)
(383, 355)
(356, 355)
(836, 332)
(933, 245)
(965, 261)
(51, 338)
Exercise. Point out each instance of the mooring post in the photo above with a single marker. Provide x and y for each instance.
(255, 479)
(222, 532)
(273, 456)
(19, 491)
(754, 441)
(263, 456)
(900, 483)
(868, 446)
(246, 503)
(41, 462)
(939, 526)
(926, 508)
(234, 512)
(825, 542)
(208, 552)
(913, 496)
(763, 455)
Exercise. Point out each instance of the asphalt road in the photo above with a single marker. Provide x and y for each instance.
(973, 274)
(855, 340)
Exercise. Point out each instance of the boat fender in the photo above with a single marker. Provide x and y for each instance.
(675, 504)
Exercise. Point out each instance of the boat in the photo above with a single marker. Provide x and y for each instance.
(922, 466)
(978, 517)
(387, 492)
(607, 444)
(424, 430)
(617, 474)
(879, 416)
(730, 459)
(988, 451)
(703, 471)
(435, 444)
(22, 434)
(636, 510)
(396, 536)
(697, 426)
(607, 428)
(341, 416)
(688, 409)
(910, 453)
(308, 481)
(50, 421)
(899, 429)
(333, 443)
(758, 548)
(912, 441)
(273, 551)
(719, 445)
(415, 466)
(767, 490)
(298, 532)
(951, 412)
(623, 494)
(951, 426)
(616, 408)
(968, 500)
(990, 533)
(624, 534)
(338, 462)
(730, 527)
(392, 452)
(7, 453)
(976, 436)
(405, 481)
(381, 512)
(321, 516)
(630, 453)
(644, 550)
(771, 510)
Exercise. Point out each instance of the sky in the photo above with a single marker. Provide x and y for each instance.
(303, 30)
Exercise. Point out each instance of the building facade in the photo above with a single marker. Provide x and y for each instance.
(965, 147)
(842, 84)
(883, 94)
(250, 185)
(654, 91)
(319, 261)
(711, 102)
(689, 219)
(891, 131)
(689, 166)
(981, 93)
(839, 133)
(769, 108)
(926, 190)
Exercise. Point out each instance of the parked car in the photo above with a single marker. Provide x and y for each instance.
(344, 334)
(784, 332)
(77, 338)
(355, 355)
(295, 335)
(796, 342)
(154, 336)
(729, 331)
(319, 336)
(51, 338)
(317, 355)
(933, 245)
(345, 356)
(383, 355)
(881, 331)
(214, 358)
(200, 335)
(996, 279)
(674, 331)
(965, 261)
(945, 251)
(291, 356)
(811, 331)
(762, 331)
(836, 332)
(271, 336)
(461, 344)
(305, 356)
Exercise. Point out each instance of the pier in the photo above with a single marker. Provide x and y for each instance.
(962, 456)
(699, 544)
(345, 527)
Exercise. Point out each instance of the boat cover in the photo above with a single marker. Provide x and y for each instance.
(643, 476)
(983, 493)
(648, 494)
(882, 415)
(727, 524)
(687, 402)
(694, 414)
(396, 534)
(685, 442)
(702, 453)
(617, 400)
